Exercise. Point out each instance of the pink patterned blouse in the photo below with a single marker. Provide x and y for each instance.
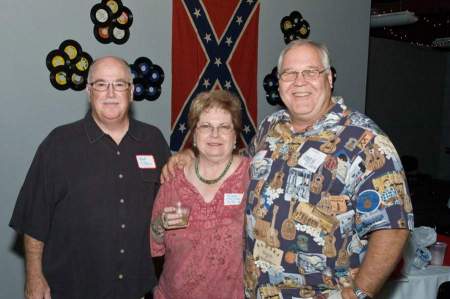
(204, 260)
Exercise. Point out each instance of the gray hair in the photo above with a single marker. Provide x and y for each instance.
(323, 51)
(118, 59)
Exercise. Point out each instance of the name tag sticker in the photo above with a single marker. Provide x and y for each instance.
(232, 199)
(146, 161)
(312, 159)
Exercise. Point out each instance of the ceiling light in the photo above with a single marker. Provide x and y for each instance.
(392, 19)
(443, 42)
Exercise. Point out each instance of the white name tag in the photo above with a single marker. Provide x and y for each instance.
(232, 199)
(312, 159)
(146, 161)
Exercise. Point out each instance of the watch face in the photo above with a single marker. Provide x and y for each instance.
(360, 294)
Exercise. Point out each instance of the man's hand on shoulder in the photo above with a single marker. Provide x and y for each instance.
(36, 287)
(180, 160)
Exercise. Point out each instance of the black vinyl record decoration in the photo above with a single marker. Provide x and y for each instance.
(294, 27)
(111, 21)
(68, 66)
(147, 79)
(270, 85)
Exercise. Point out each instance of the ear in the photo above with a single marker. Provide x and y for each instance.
(330, 78)
(88, 92)
(131, 92)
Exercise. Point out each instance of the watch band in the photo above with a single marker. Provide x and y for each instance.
(360, 294)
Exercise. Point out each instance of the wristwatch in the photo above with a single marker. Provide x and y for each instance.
(360, 294)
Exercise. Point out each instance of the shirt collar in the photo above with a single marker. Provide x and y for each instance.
(94, 133)
(330, 119)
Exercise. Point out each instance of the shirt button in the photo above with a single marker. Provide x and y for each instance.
(120, 176)
(118, 153)
(122, 200)
(120, 276)
(122, 251)
(123, 226)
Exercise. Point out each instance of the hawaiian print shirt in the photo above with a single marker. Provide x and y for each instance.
(314, 197)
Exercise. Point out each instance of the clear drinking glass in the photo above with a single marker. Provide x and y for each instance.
(179, 217)
(438, 253)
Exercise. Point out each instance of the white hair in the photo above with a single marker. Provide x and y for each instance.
(118, 59)
(323, 51)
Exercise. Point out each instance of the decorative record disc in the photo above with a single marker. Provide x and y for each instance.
(286, 24)
(56, 58)
(289, 36)
(156, 74)
(273, 98)
(77, 81)
(119, 36)
(143, 65)
(269, 83)
(304, 29)
(59, 78)
(101, 14)
(152, 92)
(125, 19)
(114, 5)
(139, 89)
(295, 17)
(71, 48)
(84, 62)
(134, 72)
(102, 34)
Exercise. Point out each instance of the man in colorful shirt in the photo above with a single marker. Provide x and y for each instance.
(328, 206)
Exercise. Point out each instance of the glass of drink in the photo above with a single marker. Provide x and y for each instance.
(438, 253)
(177, 214)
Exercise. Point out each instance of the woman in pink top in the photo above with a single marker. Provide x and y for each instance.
(205, 259)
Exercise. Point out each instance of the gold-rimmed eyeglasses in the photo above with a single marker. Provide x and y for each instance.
(309, 75)
(208, 129)
(101, 85)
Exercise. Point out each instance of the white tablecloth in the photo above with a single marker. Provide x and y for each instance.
(418, 284)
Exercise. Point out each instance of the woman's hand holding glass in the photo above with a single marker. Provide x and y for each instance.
(176, 216)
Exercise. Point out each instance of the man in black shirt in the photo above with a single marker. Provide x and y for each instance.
(85, 205)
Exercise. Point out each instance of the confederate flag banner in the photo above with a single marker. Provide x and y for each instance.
(214, 45)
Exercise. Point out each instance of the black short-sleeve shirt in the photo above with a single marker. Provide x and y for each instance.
(90, 200)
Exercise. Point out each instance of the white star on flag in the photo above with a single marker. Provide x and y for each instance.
(197, 12)
(182, 127)
(239, 20)
(229, 41)
(207, 37)
(218, 61)
(206, 83)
